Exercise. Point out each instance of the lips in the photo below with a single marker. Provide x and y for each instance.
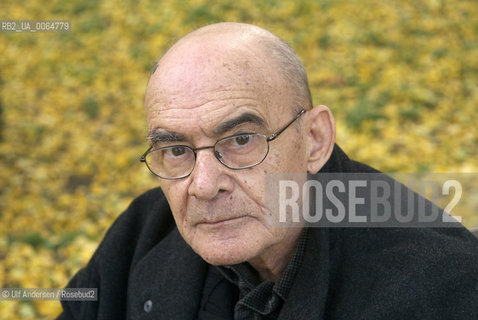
(222, 220)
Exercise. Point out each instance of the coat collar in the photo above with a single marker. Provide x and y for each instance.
(171, 276)
(308, 294)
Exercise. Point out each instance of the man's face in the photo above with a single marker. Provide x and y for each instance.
(220, 212)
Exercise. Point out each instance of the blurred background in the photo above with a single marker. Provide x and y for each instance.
(400, 76)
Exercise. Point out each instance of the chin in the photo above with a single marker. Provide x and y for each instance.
(223, 252)
(222, 261)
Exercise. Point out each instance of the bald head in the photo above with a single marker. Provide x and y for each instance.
(239, 40)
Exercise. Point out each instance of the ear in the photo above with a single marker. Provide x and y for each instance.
(321, 137)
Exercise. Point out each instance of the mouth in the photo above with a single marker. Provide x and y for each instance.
(221, 222)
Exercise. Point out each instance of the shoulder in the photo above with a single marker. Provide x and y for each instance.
(138, 229)
(339, 162)
(419, 245)
(134, 233)
(408, 270)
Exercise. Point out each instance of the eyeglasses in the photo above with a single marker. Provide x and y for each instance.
(240, 151)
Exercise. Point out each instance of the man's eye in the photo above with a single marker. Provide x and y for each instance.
(241, 140)
(176, 151)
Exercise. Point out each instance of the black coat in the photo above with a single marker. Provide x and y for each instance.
(347, 273)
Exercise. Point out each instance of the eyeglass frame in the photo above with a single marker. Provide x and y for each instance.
(194, 150)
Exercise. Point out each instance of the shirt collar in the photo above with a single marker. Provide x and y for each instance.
(262, 297)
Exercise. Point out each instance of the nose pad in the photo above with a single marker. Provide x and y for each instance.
(207, 177)
(208, 161)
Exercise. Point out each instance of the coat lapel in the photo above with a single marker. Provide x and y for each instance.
(169, 279)
(308, 294)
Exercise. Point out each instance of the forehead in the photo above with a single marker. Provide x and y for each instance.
(204, 82)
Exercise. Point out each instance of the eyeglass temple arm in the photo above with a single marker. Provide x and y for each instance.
(143, 156)
(275, 135)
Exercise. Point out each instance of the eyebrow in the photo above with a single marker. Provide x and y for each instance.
(243, 118)
(162, 135)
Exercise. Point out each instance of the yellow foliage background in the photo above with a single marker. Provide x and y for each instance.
(400, 76)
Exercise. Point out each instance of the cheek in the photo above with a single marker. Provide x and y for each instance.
(295, 158)
(252, 184)
(177, 201)
(288, 160)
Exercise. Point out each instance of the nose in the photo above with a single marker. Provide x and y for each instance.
(209, 177)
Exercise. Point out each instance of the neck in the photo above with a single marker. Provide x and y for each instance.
(271, 264)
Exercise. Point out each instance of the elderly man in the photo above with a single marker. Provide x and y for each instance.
(227, 105)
